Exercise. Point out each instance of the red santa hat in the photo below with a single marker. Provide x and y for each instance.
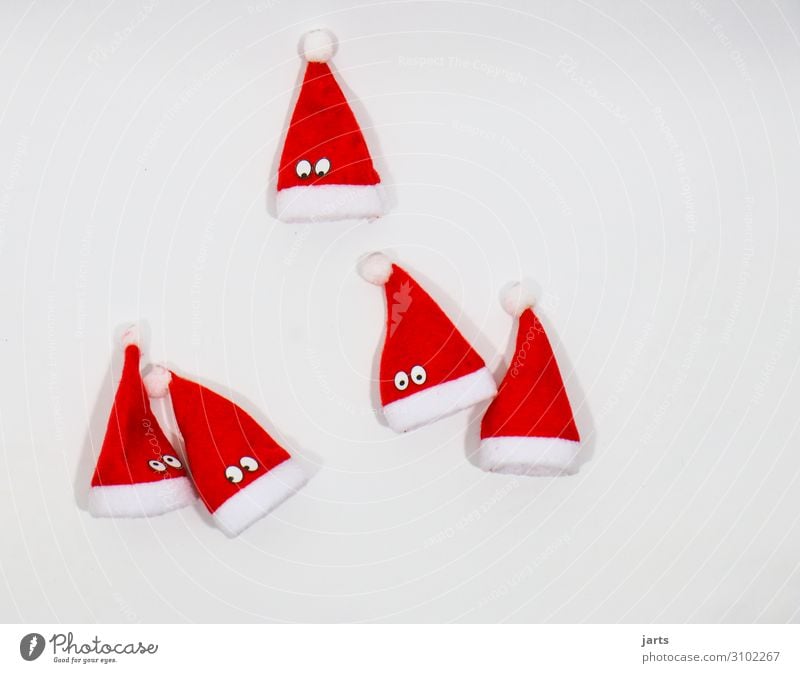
(326, 170)
(427, 370)
(138, 473)
(240, 472)
(529, 428)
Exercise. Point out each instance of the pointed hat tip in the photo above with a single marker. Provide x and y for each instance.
(130, 337)
(157, 381)
(376, 268)
(516, 299)
(318, 46)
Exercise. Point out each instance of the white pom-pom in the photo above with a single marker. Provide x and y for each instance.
(376, 268)
(516, 299)
(130, 337)
(157, 381)
(318, 46)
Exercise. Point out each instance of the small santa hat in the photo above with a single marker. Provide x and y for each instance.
(427, 370)
(529, 428)
(138, 473)
(326, 170)
(241, 472)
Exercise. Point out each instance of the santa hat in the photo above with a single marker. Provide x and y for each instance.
(138, 473)
(326, 170)
(427, 370)
(241, 472)
(529, 428)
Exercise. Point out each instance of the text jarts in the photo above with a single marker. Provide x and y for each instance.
(654, 640)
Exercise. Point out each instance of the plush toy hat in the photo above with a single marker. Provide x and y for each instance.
(138, 473)
(529, 428)
(326, 170)
(241, 472)
(427, 370)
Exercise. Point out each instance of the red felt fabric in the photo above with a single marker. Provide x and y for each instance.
(218, 434)
(324, 126)
(418, 332)
(531, 400)
(133, 436)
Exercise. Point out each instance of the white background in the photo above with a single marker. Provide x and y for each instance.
(636, 162)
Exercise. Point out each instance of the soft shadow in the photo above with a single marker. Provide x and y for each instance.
(457, 316)
(575, 391)
(98, 420)
(364, 121)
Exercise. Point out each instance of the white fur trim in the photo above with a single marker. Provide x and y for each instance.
(260, 497)
(375, 268)
(532, 456)
(434, 403)
(145, 499)
(318, 45)
(157, 381)
(516, 299)
(130, 337)
(328, 203)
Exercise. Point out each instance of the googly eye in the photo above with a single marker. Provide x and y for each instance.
(233, 474)
(322, 167)
(303, 169)
(157, 465)
(418, 374)
(401, 380)
(249, 464)
(172, 461)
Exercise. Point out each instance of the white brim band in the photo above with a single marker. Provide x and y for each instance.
(145, 499)
(532, 456)
(260, 497)
(439, 401)
(327, 203)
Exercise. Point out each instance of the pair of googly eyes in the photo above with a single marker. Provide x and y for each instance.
(234, 474)
(418, 376)
(303, 168)
(161, 465)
